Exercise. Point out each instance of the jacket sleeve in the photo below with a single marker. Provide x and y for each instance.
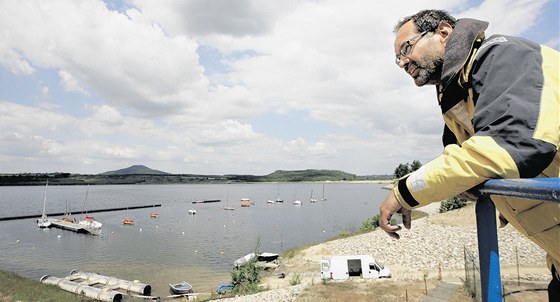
(516, 123)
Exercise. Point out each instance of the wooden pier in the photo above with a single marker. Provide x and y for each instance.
(70, 226)
(76, 213)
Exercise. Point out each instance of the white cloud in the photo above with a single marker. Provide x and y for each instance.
(143, 96)
(13, 62)
(511, 17)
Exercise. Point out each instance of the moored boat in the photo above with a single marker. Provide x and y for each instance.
(44, 221)
(192, 211)
(181, 288)
(264, 260)
(128, 221)
(90, 222)
(154, 215)
(245, 202)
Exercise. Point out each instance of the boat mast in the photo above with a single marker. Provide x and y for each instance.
(45, 200)
(84, 206)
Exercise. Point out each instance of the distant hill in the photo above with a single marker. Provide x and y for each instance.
(309, 175)
(136, 169)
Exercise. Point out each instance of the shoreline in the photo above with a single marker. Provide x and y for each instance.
(432, 248)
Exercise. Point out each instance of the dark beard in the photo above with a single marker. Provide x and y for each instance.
(431, 74)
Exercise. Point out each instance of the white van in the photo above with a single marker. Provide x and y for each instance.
(344, 267)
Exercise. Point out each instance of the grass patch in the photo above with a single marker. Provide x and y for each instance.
(16, 288)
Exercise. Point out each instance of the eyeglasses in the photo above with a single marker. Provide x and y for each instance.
(407, 47)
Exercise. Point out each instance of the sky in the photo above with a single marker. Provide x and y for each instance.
(224, 87)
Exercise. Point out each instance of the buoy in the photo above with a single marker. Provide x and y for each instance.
(59, 236)
(183, 233)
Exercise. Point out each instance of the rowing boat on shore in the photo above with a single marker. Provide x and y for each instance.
(181, 288)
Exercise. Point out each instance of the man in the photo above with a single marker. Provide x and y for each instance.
(499, 97)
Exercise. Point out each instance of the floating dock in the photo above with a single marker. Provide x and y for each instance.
(75, 213)
(206, 201)
(70, 226)
(99, 287)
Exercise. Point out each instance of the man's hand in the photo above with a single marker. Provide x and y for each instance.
(390, 206)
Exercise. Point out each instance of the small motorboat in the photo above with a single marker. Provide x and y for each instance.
(224, 288)
(128, 221)
(192, 212)
(154, 215)
(181, 288)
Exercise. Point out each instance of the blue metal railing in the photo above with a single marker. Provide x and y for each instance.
(545, 189)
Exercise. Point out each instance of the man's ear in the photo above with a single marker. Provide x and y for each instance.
(444, 30)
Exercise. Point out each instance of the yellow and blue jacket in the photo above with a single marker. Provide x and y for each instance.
(499, 99)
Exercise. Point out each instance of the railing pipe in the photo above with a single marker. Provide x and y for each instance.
(545, 189)
(488, 249)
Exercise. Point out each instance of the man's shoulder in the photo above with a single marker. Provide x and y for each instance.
(493, 40)
(503, 43)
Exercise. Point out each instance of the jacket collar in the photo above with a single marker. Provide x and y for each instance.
(459, 46)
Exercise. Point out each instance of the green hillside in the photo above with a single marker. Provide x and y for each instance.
(144, 175)
(308, 175)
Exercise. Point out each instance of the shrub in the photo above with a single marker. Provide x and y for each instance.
(247, 277)
(296, 279)
(370, 224)
(452, 203)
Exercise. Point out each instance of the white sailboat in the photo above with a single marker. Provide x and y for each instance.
(278, 199)
(324, 198)
(44, 221)
(297, 202)
(228, 208)
(311, 199)
(90, 223)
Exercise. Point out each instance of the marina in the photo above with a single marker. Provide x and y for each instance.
(76, 212)
(200, 249)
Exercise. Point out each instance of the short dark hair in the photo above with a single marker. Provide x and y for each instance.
(427, 20)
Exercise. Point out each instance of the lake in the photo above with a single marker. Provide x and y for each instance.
(199, 249)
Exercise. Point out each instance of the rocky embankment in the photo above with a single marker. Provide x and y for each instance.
(433, 243)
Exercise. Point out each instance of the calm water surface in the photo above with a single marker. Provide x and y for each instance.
(176, 246)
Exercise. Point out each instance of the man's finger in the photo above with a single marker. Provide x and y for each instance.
(393, 235)
(407, 219)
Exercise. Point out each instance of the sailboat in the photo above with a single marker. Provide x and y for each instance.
(297, 202)
(228, 208)
(278, 199)
(90, 223)
(44, 221)
(311, 199)
(324, 198)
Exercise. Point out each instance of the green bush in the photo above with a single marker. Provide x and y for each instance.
(452, 203)
(296, 279)
(248, 275)
(370, 224)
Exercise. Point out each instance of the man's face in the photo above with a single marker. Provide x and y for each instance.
(419, 54)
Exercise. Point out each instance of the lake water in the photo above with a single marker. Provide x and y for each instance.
(176, 246)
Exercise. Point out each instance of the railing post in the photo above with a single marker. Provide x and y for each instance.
(488, 249)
